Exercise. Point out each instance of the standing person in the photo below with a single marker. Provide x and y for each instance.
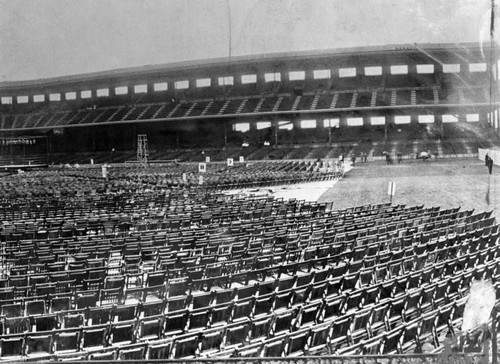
(400, 157)
(486, 160)
(353, 159)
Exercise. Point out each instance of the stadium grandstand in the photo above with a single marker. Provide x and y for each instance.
(337, 205)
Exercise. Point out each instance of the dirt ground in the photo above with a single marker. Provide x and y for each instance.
(445, 183)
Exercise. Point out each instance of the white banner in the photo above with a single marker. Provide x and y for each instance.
(230, 162)
(202, 167)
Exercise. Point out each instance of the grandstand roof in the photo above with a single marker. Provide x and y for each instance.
(469, 51)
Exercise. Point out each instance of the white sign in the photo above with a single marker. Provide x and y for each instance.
(104, 170)
(392, 189)
(230, 162)
(207, 159)
(242, 159)
(200, 179)
(184, 177)
(91, 161)
(202, 167)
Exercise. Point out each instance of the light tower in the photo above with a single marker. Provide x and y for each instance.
(142, 150)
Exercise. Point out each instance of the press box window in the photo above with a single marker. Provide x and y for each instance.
(321, 74)
(272, 77)
(87, 94)
(161, 86)
(373, 71)
(6, 100)
(181, 85)
(245, 79)
(226, 81)
(140, 89)
(297, 75)
(331, 123)
(55, 97)
(347, 72)
(203, 82)
(103, 92)
(22, 99)
(477, 67)
(451, 68)
(122, 90)
(449, 118)
(399, 69)
(377, 120)
(39, 98)
(70, 95)
(285, 125)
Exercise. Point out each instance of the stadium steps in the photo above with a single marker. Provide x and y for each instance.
(354, 100)
(296, 103)
(158, 111)
(393, 98)
(242, 105)
(130, 112)
(193, 105)
(461, 96)
(436, 96)
(413, 97)
(259, 105)
(314, 103)
(174, 110)
(439, 147)
(205, 110)
(278, 103)
(224, 107)
(373, 101)
(486, 94)
(334, 100)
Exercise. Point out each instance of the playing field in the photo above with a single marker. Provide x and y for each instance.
(445, 183)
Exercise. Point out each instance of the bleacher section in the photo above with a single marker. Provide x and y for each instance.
(124, 269)
(187, 108)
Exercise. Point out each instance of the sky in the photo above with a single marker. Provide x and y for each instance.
(50, 38)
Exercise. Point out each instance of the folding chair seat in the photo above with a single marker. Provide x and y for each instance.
(177, 287)
(99, 315)
(86, 300)
(319, 339)
(12, 310)
(220, 314)
(334, 287)
(261, 328)
(122, 333)
(66, 341)
(133, 352)
(339, 334)
(95, 336)
(372, 346)
(392, 341)
(360, 326)
(441, 296)
(37, 307)
(412, 305)
(15, 325)
(176, 303)
(201, 299)
(332, 307)
(300, 295)
(105, 354)
(263, 305)
(199, 319)
(147, 309)
(284, 321)
(159, 350)
(428, 329)
(366, 277)
(12, 347)
(45, 322)
(410, 340)
(318, 291)
(354, 300)
(211, 341)
(444, 319)
(176, 323)
(124, 312)
(267, 287)
(274, 347)
(39, 344)
(186, 346)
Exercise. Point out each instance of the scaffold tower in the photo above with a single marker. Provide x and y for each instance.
(142, 150)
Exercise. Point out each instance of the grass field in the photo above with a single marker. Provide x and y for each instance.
(445, 183)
